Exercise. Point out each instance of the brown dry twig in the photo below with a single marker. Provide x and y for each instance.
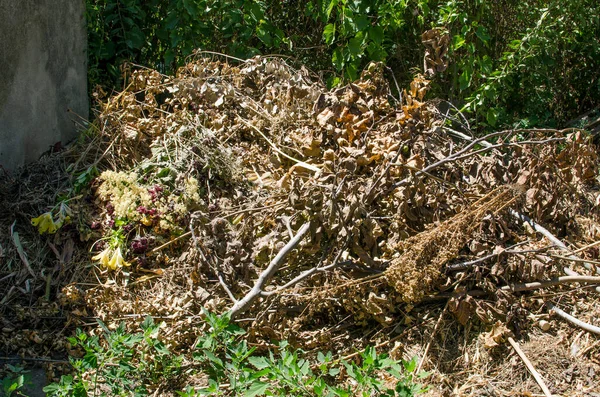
(549, 283)
(536, 375)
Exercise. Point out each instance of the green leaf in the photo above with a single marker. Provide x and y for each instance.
(376, 34)
(410, 366)
(148, 321)
(256, 13)
(482, 33)
(259, 362)
(329, 33)
(458, 41)
(360, 22)
(330, 7)
(320, 357)
(337, 58)
(491, 117)
(355, 48)
(263, 34)
(213, 358)
(257, 388)
(52, 388)
(352, 71)
(464, 80)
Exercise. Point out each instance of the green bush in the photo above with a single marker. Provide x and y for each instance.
(527, 63)
(522, 64)
(118, 364)
(15, 378)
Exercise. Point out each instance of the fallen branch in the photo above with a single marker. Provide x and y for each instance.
(549, 283)
(303, 276)
(586, 247)
(554, 240)
(588, 327)
(256, 291)
(536, 375)
(274, 146)
(20, 251)
(468, 264)
(464, 152)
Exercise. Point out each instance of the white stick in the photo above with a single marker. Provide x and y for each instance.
(244, 303)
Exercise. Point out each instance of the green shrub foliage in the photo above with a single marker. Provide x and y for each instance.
(527, 63)
(119, 363)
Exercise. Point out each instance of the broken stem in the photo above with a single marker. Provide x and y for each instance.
(588, 327)
(256, 291)
(536, 375)
(549, 283)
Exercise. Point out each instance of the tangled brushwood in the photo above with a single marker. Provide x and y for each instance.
(251, 187)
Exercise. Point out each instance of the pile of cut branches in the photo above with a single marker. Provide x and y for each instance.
(250, 187)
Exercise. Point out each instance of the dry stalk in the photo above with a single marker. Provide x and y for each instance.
(536, 375)
(549, 283)
(243, 304)
(588, 327)
(425, 254)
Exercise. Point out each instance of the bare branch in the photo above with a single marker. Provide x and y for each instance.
(536, 375)
(549, 283)
(305, 275)
(256, 291)
(588, 327)
(554, 240)
(464, 152)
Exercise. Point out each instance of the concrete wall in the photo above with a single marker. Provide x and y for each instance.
(43, 73)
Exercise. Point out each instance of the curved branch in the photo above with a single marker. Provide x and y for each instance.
(588, 327)
(244, 303)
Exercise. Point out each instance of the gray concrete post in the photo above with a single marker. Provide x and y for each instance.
(43, 74)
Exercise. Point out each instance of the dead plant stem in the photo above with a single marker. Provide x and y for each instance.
(243, 304)
(536, 375)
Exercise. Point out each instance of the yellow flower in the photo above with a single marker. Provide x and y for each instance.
(146, 220)
(117, 261)
(45, 223)
(103, 257)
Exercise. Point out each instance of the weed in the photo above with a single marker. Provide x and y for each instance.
(121, 364)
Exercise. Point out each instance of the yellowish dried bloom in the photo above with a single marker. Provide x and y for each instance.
(45, 223)
(191, 190)
(103, 257)
(117, 261)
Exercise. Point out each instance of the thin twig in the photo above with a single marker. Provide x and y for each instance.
(20, 251)
(586, 247)
(305, 275)
(572, 259)
(435, 327)
(588, 327)
(466, 265)
(549, 283)
(508, 144)
(536, 375)
(396, 83)
(554, 240)
(34, 359)
(256, 291)
(225, 287)
(451, 157)
(272, 144)
(170, 242)
(221, 55)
